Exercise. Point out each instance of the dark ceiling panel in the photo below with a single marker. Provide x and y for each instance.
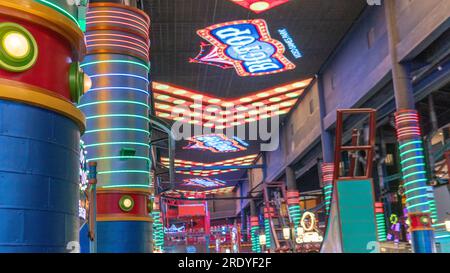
(315, 25)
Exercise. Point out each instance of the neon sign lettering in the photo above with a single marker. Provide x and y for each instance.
(204, 182)
(247, 45)
(217, 143)
(290, 43)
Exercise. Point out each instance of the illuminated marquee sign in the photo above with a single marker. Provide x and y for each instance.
(247, 45)
(204, 182)
(216, 143)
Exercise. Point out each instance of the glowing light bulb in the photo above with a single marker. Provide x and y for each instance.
(16, 45)
(87, 83)
(127, 203)
(259, 6)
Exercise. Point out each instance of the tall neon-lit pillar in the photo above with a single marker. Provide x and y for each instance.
(415, 180)
(254, 233)
(409, 138)
(293, 198)
(267, 230)
(41, 44)
(327, 180)
(117, 135)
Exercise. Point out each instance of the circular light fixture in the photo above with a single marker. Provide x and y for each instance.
(78, 82)
(18, 48)
(259, 6)
(126, 203)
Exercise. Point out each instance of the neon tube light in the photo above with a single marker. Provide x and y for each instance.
(115, 61)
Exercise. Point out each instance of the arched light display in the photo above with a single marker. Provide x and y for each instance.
(248, 46)
(216, 143)
(221, 190)
(239, 161)
(215, 112)
(204, 182)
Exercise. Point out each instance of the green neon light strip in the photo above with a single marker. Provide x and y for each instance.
(58, 8)
(418, 205)
(414, 182)
(414, 173)
(113, 101)
(118, 157)
(123, 171)
(116, 143)
(125, 186)
(415, 189)
(117, 129)
(410, 143)
(411, 151)
(412, 158)
(412, 166)
(147, 67)
(118, 116)
(416, 197)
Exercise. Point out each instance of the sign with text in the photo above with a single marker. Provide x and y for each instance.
(247, 46)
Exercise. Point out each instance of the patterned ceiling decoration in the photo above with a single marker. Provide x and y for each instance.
(216, 143)
(245, 45)
(209, 111)
(258, 6)
(192, 193)
(204, 182)
(239, 161)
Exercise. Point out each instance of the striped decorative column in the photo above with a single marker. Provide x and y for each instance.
(117, 135)
(327, 180)
(254, 230)
(158, 229)
(267, 230)
(39, 126)
(381, 221)
(432, 204)
(293, 202)
(415, 180)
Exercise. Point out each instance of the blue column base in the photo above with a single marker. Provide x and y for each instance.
(124, 237)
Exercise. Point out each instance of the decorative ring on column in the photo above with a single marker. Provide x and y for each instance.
(126, 203)
(18, 48)
(79, 82)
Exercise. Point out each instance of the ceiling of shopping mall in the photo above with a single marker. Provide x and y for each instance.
(315, 26)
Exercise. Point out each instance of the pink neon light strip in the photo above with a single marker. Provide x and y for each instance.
(119, 35)
(118, 23)
(117, 17)
(117, 12)
(119, 41)
(113, 45)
